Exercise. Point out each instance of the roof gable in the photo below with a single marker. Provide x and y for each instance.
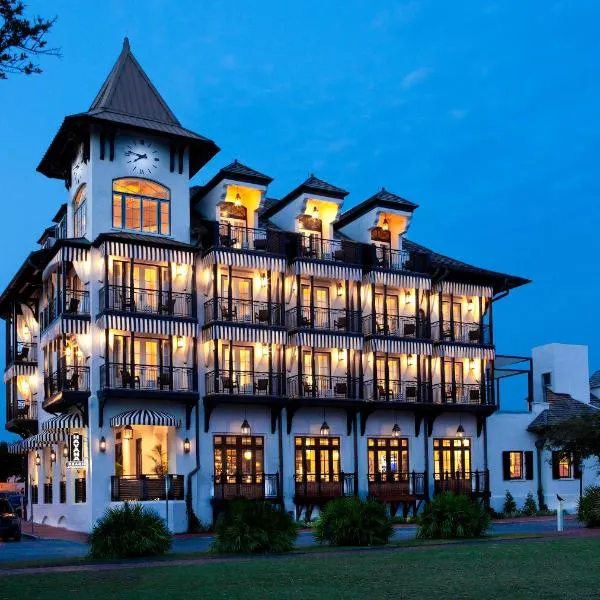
(238, 172)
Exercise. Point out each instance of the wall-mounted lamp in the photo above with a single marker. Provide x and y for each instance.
(470, 304)
(68, 352)
(180, 270)
(38, 460)
(180, 342)
(315, 212)
(246, 429)
(385, 225)
(396, 431)
(341, 354)
(408, 297)
(238, 199)
(263, 280)
(65, 451)
(410, 360)
(339, 289)
(128, 432)
(102, 445)
(471, 365)
(186, 446)
(26, 330)
(52, 456)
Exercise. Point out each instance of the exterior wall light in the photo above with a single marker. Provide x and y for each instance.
(396, 431)
(408, 297)
(52, 456)
(246, 429)
(410, 360)
(339, 289)
(470, 304)
(38, 460)
(238, 199)
(385, 225)
(263, 280)
(325, 429)
(103, 444)
(186, 446)
(247, 454)
(460, 431)
(180, 342)
(341, 355)
(128, 433)
(66, 451)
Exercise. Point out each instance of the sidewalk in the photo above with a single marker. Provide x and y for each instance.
(47, 532)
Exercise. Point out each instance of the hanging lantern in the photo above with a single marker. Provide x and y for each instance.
(246, 429)
(325, 428)
(65, 451)
(263, 280)
(385, 225)
(396, 431)
(238, 199)
(460, 431)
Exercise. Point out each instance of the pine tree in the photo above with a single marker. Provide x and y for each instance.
(530, 506)
(510, 506)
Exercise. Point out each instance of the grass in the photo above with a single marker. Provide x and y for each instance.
(565, 568)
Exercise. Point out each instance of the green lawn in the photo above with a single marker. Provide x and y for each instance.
(566, 568)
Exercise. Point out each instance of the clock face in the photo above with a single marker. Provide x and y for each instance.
(141, 157)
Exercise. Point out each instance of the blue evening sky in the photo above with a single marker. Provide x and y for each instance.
(483, 113)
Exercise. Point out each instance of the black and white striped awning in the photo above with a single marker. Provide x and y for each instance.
(463, 351)
(150, 253)
(145, 416)
(399, 280)
(17, 369)
(64, 422)
(327, 271)
(16, 448)
(244, 334)
(464, 289)
(64, 254)
(149, 325)
(326, 340)
(245, 260)
(67, 325)
(41, 440)
(397, 346)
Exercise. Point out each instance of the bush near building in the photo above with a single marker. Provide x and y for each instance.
(530, 508)
(588, 509)
(510, 506)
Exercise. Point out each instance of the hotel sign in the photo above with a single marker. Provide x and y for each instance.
(75, 458)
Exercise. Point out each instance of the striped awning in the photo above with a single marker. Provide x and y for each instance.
(327, 271)
(398, 346)
(17, 369)
(245, 260)
(66, 253)
(399, 280)
(145, 416)
(463, 351)
(64, 422)
(241, 333)
(65, 324)
(149, 325)
(325, 340)
(41, 440)
(150, 253)
(464, 289)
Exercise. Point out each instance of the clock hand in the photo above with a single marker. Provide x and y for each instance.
(140, 156)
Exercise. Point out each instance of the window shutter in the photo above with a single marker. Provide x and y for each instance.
(555, 461)
(528, 464)
(506, 465)
(575, 467)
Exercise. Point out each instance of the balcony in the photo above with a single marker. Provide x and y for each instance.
(140, 488)
(410, 391)
(21, 415)
(311, 489)
(397, 487)
(147, 301)
(66, 386)
(245, 238)
(249, 312)
(154, 378)
(243, 383)
(461, 393)
(338, 251)
(323, 319)
(73, 303)
(464, 333)
(398, 326)
(262, 486)
(24, 353)
(395, 260)
(475, 484)
(322, 386)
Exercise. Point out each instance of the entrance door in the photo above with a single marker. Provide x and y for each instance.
(322, 373)
(453, 380)
(243, 367)
(392, 307)
(452, 464)
(388, 459)
(393, 386)
(239, 466)
(318, 466)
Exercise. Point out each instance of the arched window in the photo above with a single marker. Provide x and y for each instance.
(141, 205)
(80, 212)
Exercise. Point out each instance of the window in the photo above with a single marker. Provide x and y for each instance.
(452, 458)
(238, 459)
(563, 466)
(141, 205)
(546, 384)
(388, 459)
(80, 212)
(517, 464)
(317, 459)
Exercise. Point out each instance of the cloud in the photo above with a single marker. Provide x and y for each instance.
(415, 77)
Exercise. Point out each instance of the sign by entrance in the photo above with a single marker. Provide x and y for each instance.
(75, 458)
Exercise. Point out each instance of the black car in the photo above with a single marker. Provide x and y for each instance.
(10, 523)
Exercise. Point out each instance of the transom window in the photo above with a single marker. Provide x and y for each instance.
(80, 212)
(141, 205)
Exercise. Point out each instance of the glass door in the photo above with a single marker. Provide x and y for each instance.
(242, 377)
(145, 284)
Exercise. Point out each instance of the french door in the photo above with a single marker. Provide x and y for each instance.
(453, 379)
(242, 359)
(317, 459)
(452, 318)
(452, 458)
(392, 307)
(388, 459)
(239, 459)
(322, 378)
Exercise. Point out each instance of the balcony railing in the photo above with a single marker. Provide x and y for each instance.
(74, 302)
(250, 312)
(138, 488)
(466, 333)
(461, 393)
(322, 386)
(318, 248)
(21, 410)
(147, 301)
(148, 377)
(246, 383)
(70, 379)
(396, 326)
(395, 485)
(254, 487)
(24, 353)
(325, 486)
(388, 258)
(473, 483)
(245, 238)
(397, 391)
(325, 319)
(48, 493)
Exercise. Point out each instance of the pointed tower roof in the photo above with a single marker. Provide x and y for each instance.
(126, 99)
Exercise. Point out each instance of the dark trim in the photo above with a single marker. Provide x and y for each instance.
(374, 202)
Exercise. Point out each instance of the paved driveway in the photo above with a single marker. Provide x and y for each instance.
(46, 548)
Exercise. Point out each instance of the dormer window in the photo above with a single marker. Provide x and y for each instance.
(141, 205)
(80, 212)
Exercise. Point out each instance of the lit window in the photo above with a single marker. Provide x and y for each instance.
(562, 465)
(515, 465)
(80, 212)
(141, 205)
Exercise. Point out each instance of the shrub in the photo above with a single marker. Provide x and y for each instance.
(451, 516)
(588, 508)
(529, 507)
(510, 506)
(250, 526)
(353, 522)
(129, 531)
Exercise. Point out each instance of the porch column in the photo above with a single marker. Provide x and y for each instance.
(194, 306)
(490, 320)
(312, 302)
(283, 370)
(387, 374)
(231, 365)
(299, 367)
(269, 296)
(229, 292)
(270, 369)
(374, 369)
(132, 360)
(349, 324)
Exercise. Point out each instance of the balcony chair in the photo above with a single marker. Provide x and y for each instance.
(227, 241)
(383, 393)
(260, 244)
(410, 329)
(262, 316)
(23, 355)
(381, 328)
(303, 321)
(128, 304)
(261, 386)
(473, 335)
(410, 392)
(164, 380)
(72, 383)
(129, 381)
(338, 255)
(341, 389)
(307, 388)
(230, 384)
(341, 323)
(73, 307)
(167, 307)
(23, 413)
(228, 315)
(474, 395)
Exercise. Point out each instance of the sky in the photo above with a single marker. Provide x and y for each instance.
(483, 113)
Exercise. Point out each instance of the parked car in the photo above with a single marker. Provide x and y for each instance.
(19, 503)
(10, 522)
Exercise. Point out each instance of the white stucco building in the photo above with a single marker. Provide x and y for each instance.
(214, 342)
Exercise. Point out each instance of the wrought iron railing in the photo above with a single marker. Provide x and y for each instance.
(48, 493)
(254, 487)
(318, 248)
(146, 487)
(24, 352)
(236, 310)
(466, 333)
(246, 238)
(69, 379)
(322, 386)
(142, 300)
(74, 302)
(475, 483)
(396, 390)
(395, 484)
(331, 485)
(246, 383)
(396, 326)
(25, 410)
(461, 393)
(387, 258)
(321, 318)
(148, 377)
